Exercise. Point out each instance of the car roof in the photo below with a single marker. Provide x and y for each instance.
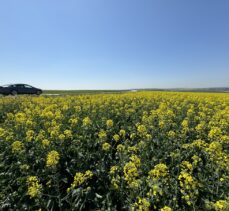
(15, 84)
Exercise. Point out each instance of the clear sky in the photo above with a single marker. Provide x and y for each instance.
(114, 44)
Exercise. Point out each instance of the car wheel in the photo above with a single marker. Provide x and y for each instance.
(38, 92)
(14, 92)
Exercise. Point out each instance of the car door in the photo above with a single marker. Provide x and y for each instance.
(20, 89)
(28, 89)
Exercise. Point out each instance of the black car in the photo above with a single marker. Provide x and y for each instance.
(14, 89)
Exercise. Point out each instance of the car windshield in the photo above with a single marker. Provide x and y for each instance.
(28, 86)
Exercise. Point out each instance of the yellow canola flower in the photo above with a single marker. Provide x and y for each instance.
(185, 123)
(87, 121)
(142, 204)
(20, 117)
(130, 175)
(109, 123)
(102, 135)
(120, 148)
(115, 181)
(34, 188)
(130, 170)
(80, 178)
(106, 146)
(188, 187)
(185, 165)
(53, 158)
(136, 160)
(45, 142)
(113, 169)
(141, 129)
(160, 170)
(29, 135)
(17, 146)
(214, 132)
(196, 159)
(77, 109)
(116, 137)
(221, 205)
(122, 133)
(61, 137)
(68, 133)
(171, 134)
(166, 208)
(73, 121)
(133, 149)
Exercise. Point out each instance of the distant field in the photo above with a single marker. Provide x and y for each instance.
(79, 92)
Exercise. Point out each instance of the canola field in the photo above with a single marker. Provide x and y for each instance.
(131, 151)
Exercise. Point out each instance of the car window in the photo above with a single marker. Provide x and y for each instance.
(20, 86)
(27, 86)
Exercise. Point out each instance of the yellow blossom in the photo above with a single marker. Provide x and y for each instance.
(142, 204)
(221, 205)
(81, 178)
(160, 170)
(116, 137)
(45, 142)
(166, 208)
(113, 169)
(120, 148)
(87, 121)
(122, 133)
(68, 133)
(53, 158)
(102, 135)
(17, 146)
(106, 146)
(141, 129)
(109, 123)
(34, 188)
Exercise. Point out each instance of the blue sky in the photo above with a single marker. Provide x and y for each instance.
(114, 44)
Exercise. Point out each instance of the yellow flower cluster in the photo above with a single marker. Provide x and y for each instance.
(166, 208)
(109, 123)
(34, 188)
(80, 178)
(102, 135)
(68, 133)
(106, 146)
(29, 135)
(188, 187)
(221, 205)
(131, 172)
(122, 133)
(120, 148)
(116, 137)
(160, 170)
(45, 142)
(113, 169)
(17, 146)
(142, 204)
(185, 165)
(141, 129)
(87, 121)
(53, 158)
